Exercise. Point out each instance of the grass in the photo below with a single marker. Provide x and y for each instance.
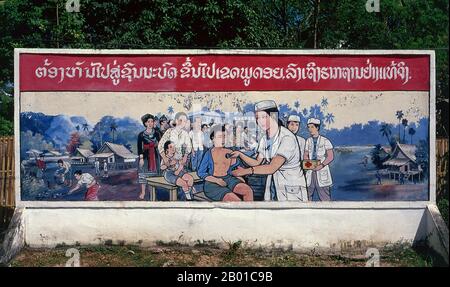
(399, 254)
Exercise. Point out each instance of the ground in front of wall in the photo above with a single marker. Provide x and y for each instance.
(167, 255)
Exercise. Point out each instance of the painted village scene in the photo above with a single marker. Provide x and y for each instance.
(236, 146)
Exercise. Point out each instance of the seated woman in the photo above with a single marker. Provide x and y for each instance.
(215, 168)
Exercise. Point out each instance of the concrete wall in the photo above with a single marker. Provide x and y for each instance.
(318, 225)
(437, 233)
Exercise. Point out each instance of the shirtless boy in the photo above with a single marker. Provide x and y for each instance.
(215, 168)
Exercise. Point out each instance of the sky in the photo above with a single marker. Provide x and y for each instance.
(347, 107)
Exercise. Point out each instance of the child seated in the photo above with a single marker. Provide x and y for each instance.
(174, 172)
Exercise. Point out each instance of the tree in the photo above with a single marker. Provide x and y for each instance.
(386, 132)
(74, 143)
(422, 156)
(405, 124)
(296, 105)
(33, 141)
(6, 114)
(6, 127)
(316, 22)
(86, 144)
(314, 111)
(113, 129)
(399, 115)
(324, 102)
(375, 156)
(170, 110)
(411, 132)
(329, 118)
(162, 24)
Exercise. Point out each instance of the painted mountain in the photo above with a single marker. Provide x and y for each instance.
(41, 132)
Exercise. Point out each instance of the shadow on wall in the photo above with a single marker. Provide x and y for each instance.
(6, 214)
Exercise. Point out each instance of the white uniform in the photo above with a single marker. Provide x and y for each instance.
(290, 183)
(324, 175)
(86, 178)
(301, 143)
(197, 140)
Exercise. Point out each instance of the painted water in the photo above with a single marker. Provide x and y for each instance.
(354, 181)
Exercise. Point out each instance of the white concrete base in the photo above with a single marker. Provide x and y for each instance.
(321, 226)
(311, 226)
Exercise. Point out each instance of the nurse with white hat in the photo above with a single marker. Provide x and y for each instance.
(276, 157)
(319, 148)
(293, 124)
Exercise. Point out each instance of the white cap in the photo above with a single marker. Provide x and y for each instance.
(314, 121)
(265, 105)
(293, 118)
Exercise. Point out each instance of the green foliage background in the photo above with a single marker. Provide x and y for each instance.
(158, 24)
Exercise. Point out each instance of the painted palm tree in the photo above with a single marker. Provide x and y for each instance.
(405, 124)
(113, 129)
(100, 135)
(170, 110)
(329, 118)
(324, 102)
(314, 111)
(297, 105)
(399, 115)
(386, 132)
(305, 112)
(411, 132)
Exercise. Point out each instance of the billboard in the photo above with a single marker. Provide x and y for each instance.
(224, 125)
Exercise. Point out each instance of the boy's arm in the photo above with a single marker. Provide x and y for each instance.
(247, 159)
(75, 188)
(180, 167)
(328, 159)
(161, 143)
(270, 168)
(235, 162)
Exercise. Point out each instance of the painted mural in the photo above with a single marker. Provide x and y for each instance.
(305, 145)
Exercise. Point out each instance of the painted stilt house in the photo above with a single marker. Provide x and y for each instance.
(117, 156)
(403, 163)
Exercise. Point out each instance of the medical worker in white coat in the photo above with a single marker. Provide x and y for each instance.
(278, 157)
(293, 124)
(319, 148)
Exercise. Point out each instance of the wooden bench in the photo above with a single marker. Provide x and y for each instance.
(160, 181)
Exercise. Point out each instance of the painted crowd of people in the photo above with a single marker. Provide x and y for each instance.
(224, 155)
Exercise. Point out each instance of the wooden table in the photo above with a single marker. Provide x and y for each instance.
(160, 181)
